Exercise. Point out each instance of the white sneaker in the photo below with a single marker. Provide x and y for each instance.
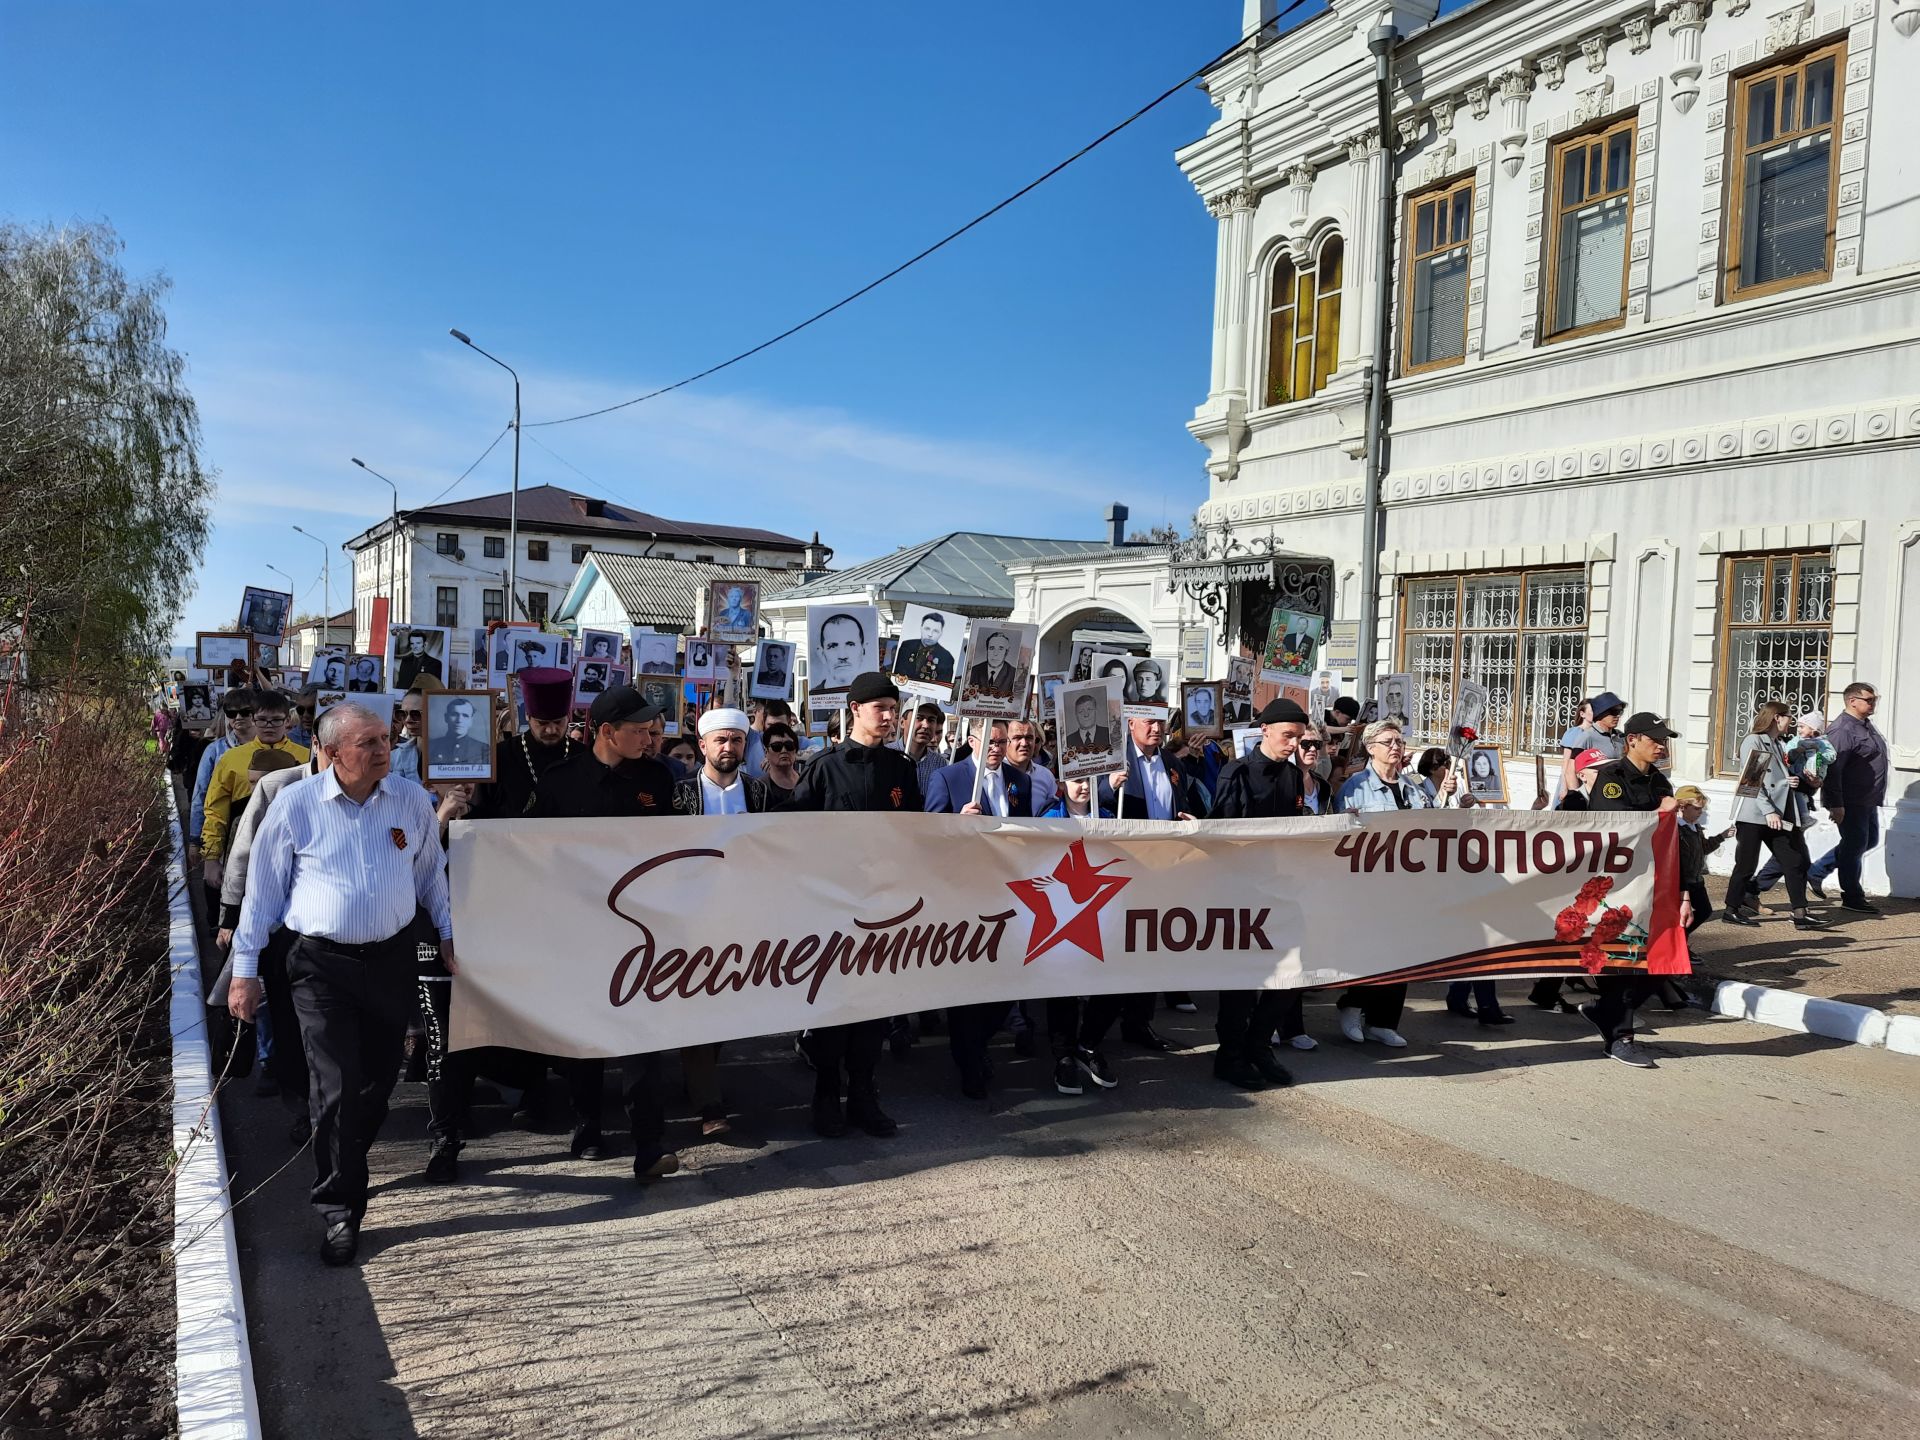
(1389, 1038)
(1304, 1042)
(1352, 1025)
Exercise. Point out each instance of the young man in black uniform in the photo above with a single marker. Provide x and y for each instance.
(1267, 783)
(616, 777)
(1633, 782)
(860, 773)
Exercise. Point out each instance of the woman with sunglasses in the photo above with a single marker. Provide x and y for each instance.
(1317, 797)
(781, 748)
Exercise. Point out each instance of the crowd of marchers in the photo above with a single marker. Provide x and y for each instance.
(323, 857)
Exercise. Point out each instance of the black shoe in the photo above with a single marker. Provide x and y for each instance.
(828, 1119)
(1494, 1017)
(1268, 1067)
(341, 1244)
(1817, 889)
(1543, 997)
(301, 1131)
(1860, 907)
(443, 1165)
(648, 1169)
(1237, 1070)
(900, 1037)
(865, 1112)
(1181, 1001)
(1461, 1010)
(1094, 1066)
(1147, 1038)
(1807, 922)
(1740, 917)
(1066, 1076)
(587, 1145)
(973, 1080)
(1593, 1019)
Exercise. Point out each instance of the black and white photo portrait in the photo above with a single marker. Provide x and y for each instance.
(772, 671)
(1091, 730)
(196, 706)
(842, 641)
(363, 674)
(1394, 694)
(460, 729)
(1486, 776)
(329, 670)
(1200, 707)
(263, 613)
(1147, 693)
(416, 650)
(655, 653)
(928, 656)
(1236, 692)
(703, 660)
(602, 645)
(1084, 656)
(998, 669)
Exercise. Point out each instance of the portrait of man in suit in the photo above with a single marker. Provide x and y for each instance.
(925, 658)
(996, 674)
(365, 678)
(459, 744)
(1088, 734)
(415, 659)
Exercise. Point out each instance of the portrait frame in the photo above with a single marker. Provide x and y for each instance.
(590, 640)
(1246, 740)
(355, 684)
(1236, 692)
(1469, 713)
(834, 659)
(1048, 685)
(990, 692)
(197, 709)
(917, 664)
(1486, 774)
(317, 670)
(382, 703)
(759, 685)
(704, 664)
(1138, 706)
(1213, 726)
(404, 667)
(482, 732)
(655, 652)
(1088, 761)
(586, 685)
(1393, 694)
(261, 608)
(666, 691)
(217, 649)
(729, 624)
(1292, 648)
(1080, 657)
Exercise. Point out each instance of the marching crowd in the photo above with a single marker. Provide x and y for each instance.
(324, 862)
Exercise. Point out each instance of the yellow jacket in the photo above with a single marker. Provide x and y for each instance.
(228, 786)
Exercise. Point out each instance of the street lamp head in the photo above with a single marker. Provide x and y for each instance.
(460, 336)
(358, 461)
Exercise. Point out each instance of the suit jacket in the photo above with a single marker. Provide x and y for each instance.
(463, 750)
(920, 661)
(690, 797)
(411, 667)
(994, 682)
(951, 790)
(1102, 739)
(1132, 802)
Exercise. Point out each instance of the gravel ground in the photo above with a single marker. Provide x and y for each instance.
(1492, 1233)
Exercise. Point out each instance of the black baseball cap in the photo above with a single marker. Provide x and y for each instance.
(623, 702)
(1645, 722)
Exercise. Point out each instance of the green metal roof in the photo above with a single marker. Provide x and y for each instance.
(962, 568)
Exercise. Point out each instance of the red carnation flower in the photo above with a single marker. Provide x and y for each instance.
(1569, 925)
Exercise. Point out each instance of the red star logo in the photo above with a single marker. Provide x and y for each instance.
(1086, 887)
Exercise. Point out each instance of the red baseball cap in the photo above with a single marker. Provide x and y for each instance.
(1587, 759)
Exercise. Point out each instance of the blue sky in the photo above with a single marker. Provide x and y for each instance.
(613, 196)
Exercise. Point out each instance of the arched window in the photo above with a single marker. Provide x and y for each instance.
(1303, 325)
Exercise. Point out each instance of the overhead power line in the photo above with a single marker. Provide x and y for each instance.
(943, 241)
(504, 429)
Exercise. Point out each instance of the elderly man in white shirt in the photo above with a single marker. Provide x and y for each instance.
(344, 860)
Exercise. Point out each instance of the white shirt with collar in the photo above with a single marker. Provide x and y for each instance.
(1157, 788)
(722, 800)
(993, 791)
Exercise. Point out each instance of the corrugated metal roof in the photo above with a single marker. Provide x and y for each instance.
(964, 567)
(666, 593)
(553, 507)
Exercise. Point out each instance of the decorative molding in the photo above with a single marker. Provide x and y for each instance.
(1240, 198)
(1789, 27)
(1685, 21)
(1479, 94)
(1515, 84)
(1594, 49)
(1300, 193)
(1898, 702)
(1906, 18)
(1595, 101)
(1639, 31)
(1551, 64)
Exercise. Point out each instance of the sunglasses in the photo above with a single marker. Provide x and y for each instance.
(782, 747)
(1310, 744)
(412, 714)
(239, 714)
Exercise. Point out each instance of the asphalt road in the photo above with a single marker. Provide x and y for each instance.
(1492, 1233)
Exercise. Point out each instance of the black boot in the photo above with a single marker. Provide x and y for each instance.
(828, 1120)
(863, 1110)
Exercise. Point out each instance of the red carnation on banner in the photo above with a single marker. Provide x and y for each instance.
(1571, 923)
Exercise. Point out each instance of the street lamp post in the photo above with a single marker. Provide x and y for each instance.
(393, 538)
(326, 585)
(513, 502)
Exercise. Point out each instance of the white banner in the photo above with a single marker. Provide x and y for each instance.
(615, 937)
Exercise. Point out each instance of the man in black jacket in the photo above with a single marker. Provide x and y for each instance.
(1633, 782)
(616, 777)
(1265, 784)
(860, 773)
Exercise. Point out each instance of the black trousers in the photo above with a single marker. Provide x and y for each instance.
(1248, 1018)
(1380, 1004)
(1619, 997)
(970, 1027)
(854, 1048)
(1789, 850)
(639, 1091)
(352, 1009)
(1134, 1012)
(449, 1075)
(1702, 904)
(288, 1062)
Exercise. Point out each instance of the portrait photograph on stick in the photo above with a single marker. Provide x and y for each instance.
(655, 652)
(264, 613)
(196, 706)
(591, 677)
(733, 611)
(416, 650)
(1246, 740)
(460, 735)
(1092, 731)
(772, 677)
(1200, 708)
(601, 645)
(1469, 717)
(664, 691)
(329, 670)
(364, 672)
(928, 656)
(998, 669)
(1081, 658)
(1236, 692)
(1486, 776)
(1148, 695)
(1293, 646)
(535, 649)
(1394, 694)
(1050, 684)
(705, 660)
(842, 641)
(217, 649)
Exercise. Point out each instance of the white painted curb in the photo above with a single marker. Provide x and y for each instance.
(1814, 1015)
(213, 1369)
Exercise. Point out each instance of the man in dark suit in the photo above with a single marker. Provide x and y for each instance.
(1004, 790)
(926, 660)
(415, 662)
(1087, 737)
(995, 675)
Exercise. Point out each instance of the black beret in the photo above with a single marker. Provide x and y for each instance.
(1281, 711)
(871, 686)
(623, 702)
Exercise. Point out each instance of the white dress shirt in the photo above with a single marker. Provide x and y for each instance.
(715, 800)
(1158, 788)
(325, 866)
(993, 792)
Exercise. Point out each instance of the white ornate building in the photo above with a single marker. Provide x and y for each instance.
(1654, 417)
